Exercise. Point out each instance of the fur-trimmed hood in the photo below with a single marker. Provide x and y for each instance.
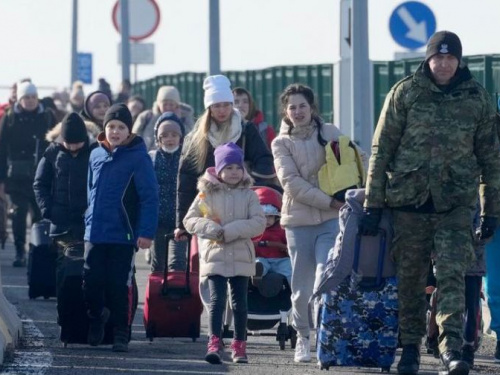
(233, 212)
(210, 183)
(54, 134)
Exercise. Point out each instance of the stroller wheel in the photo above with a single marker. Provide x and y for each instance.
(282, 344)
(282, 335)
(292, 334)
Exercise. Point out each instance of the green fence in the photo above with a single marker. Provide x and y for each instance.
(485, 68)
(265, 86)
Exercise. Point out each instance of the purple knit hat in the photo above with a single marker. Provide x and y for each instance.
(228, 153)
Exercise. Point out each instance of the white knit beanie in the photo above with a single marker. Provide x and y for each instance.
(168, 93)
(26, 88)
(217, 90)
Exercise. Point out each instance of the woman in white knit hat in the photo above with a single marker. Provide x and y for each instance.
(219, 124)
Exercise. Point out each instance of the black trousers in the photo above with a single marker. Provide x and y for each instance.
(107, 276)
(22, 200)
(218, 298)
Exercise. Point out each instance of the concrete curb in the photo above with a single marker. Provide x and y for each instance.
(10, 325)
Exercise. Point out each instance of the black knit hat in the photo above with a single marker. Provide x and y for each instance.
(119, 112)
(444, 42)
(73, 129)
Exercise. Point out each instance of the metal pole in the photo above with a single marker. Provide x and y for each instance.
(74, 44)
(361, 96)
(125, 39)
(214, 37)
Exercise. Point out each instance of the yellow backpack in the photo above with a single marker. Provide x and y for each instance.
(346, 171)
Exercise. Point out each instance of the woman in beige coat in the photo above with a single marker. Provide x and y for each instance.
(309, 215)
(225, 216)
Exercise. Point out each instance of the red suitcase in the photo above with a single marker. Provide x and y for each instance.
(172, 307)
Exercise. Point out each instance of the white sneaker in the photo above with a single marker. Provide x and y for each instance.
(302, 350)
(147, 256)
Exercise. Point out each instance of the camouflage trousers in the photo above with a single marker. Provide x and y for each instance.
(447, 237)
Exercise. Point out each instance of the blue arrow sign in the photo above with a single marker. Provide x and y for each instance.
(411, 24)
(84, 67)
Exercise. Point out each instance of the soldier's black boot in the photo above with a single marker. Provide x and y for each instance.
(120, 339)
(468, 355)
(453, 364)
(410, 360)
(96, 327)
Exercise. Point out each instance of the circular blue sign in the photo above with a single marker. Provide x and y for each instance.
(411, 24)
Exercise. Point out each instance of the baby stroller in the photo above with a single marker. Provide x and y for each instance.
(269, 303)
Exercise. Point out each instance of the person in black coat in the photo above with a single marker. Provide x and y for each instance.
(60, 186)
(220, 123)
(22, 141)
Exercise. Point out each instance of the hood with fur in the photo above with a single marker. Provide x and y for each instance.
(209, 182)
(54, 134)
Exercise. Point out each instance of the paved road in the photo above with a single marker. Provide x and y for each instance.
(42, 352)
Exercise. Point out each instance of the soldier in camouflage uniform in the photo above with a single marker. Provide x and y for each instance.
(435, 144)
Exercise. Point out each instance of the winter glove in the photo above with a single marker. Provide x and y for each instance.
(486, 228)
(368, 225)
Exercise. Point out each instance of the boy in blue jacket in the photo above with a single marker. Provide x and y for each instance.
(122, 215)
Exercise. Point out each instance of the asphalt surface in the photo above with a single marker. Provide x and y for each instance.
(41, 351)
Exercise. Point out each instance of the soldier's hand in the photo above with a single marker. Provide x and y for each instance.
(368, 225)
(487, 227)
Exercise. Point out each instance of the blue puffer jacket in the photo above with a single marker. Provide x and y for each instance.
(122, 194)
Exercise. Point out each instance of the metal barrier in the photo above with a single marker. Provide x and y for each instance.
(265, 86)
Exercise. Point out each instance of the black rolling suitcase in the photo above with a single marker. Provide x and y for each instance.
(71, 309)
(41, 262)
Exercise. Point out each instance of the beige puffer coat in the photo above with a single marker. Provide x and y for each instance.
(298, 159)
(240, 216)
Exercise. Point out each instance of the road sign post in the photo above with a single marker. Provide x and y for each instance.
(411, 24)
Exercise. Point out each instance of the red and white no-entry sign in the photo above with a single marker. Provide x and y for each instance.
(144, 18)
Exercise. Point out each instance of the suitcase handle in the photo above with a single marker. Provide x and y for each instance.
(380, 260)
(168, 237)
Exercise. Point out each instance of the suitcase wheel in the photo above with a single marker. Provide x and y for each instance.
(150, 332)
(65, 344)
(323, 366)
(385, 369)
(193, 339)
(46, 297)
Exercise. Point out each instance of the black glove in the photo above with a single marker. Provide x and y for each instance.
(368, 225)
(487, 227)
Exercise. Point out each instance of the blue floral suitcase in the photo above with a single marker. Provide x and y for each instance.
(358, 320)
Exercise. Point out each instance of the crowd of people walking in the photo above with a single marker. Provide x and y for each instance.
(114, 176)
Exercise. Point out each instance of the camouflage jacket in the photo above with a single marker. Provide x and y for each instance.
(434, 143)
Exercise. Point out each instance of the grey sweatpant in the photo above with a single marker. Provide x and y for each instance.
(308, 247)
